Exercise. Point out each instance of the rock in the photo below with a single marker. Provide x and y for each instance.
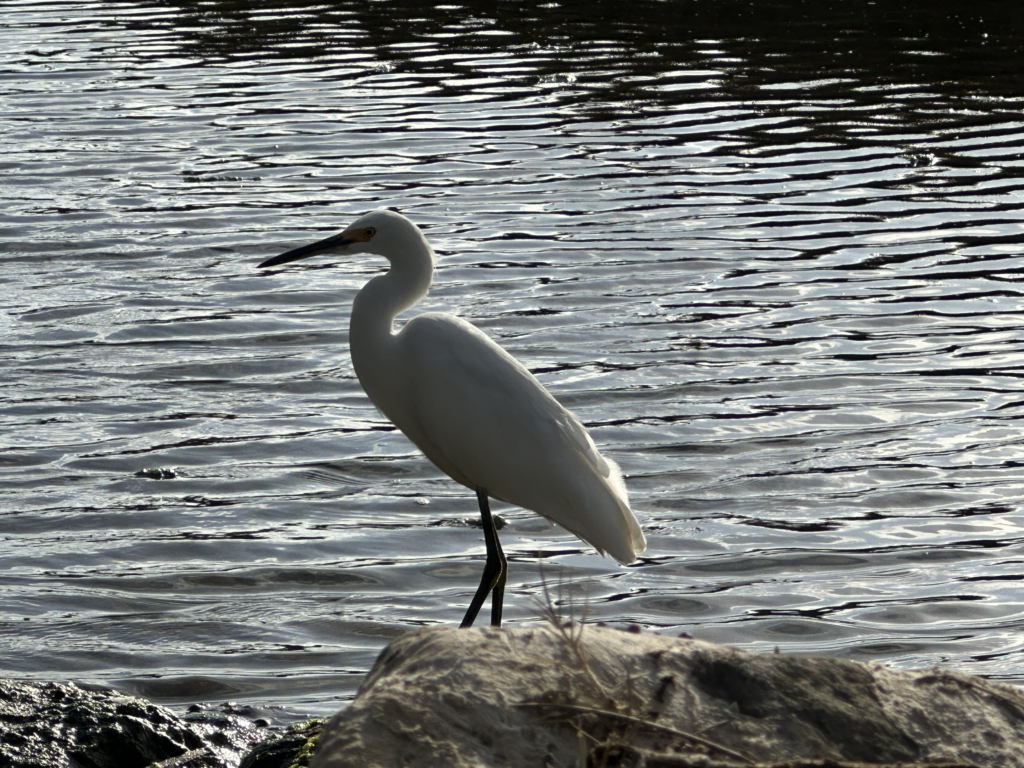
(58, 725)
(197, 758)
(558, 696)
(292, 748)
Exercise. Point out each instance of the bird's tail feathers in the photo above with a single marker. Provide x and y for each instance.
(599, 513)
(637, 541)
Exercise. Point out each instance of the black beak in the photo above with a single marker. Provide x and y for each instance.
(305, 251)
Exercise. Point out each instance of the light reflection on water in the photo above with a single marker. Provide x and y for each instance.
(781, 290)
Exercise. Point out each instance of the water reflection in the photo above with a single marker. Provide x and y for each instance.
(622, 58)
(771, 257)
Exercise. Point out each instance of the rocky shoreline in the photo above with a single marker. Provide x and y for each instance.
(551, 695)
(63, 725)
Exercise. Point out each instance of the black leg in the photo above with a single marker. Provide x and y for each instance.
(495, 569)
(498, 591)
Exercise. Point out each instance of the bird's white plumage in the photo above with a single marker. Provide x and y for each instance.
(472, 408)
(485, 420)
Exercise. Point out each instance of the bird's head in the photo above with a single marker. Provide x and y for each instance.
(383, 232)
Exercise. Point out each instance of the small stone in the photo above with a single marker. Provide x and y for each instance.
(157, 473)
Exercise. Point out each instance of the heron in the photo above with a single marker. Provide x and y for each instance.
(474, 410)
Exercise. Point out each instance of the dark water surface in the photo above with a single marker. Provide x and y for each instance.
(770, 254)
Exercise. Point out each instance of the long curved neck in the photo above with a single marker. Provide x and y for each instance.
(371, 338)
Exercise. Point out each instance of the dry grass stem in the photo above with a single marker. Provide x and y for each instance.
(578, 709)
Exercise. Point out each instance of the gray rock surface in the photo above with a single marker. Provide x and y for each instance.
(573, 696)
(59, 725)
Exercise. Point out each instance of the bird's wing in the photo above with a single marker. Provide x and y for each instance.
(479, 406)
(484, 419)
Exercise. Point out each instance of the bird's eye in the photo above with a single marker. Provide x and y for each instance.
(369, 231)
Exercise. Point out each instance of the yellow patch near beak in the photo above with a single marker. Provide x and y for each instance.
(359, 235)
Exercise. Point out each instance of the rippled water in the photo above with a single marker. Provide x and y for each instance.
(773, 260)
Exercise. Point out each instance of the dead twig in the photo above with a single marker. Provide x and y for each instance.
(581, 710)
(571, 633)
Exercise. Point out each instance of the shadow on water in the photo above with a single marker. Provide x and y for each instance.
(629, 55)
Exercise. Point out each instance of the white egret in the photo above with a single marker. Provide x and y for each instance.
(473, 409)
